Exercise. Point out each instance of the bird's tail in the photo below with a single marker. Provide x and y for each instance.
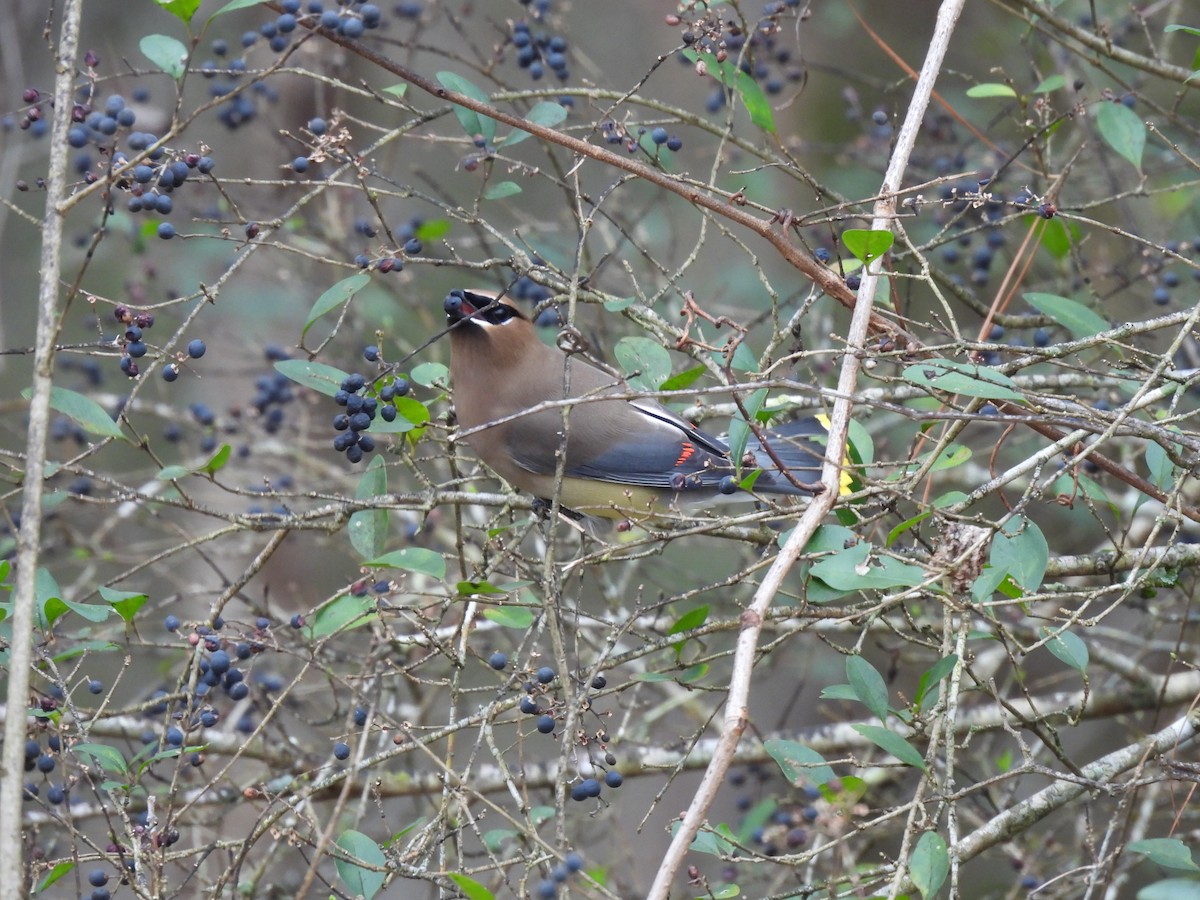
(800, 447)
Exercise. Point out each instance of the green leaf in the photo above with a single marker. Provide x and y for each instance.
(412, 559)
(410, 414)
(906, 525)
(1053, 83)
(211, 466)
(471, 888)
(1069, 648)
(799, 764)
(430, 374)
(1073, 316)
(690, 620)
(51, 606)
(868, 685)
(1058, 237)
(433, 229)
(928, 686)
(59, 870)
(713, 841)
(108, 758)
(753, 98)
(334, 296)
(684, 379)
(739, 428)
(1172, 888)
(743, 359)
(1170, 853)
(519, 617)
(181, 9)
(646, 363)
(473, 124)
(991, 89)
(83, 411)
(168, 54)
(234, 5)
(852, 569)
(547, 114)
(500, 190)
(726, 891)
(967, 379)
(126, 603)
(368, 528)
(1024, 554)
(343, 614)
(951, 456)
(396, 90)
(1122, 130)
(930, 863)
(1190, 30)
(1162, 470)
(892, 743)
(866, 244)
(362, 882)
(315, 375)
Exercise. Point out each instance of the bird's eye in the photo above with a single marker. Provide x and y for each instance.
(500, 314)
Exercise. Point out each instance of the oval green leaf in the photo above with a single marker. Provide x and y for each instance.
(368, 528)
(967, 379)
(168, 54)
(471, 123)
(798, 763)
(83, 411)
(412, 559)
(1073, 316)
(1122, 130)
(315, 375)
(868, 685)
(867, 244)
(361, 882)
(991, 89)
(334, 297)
(930, 863)
(646, 363)
(500, 190)
(547, 114)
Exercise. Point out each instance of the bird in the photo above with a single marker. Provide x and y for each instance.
(622, 458)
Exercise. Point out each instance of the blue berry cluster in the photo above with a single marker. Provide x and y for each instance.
(361, 409)
(547, 888)
(410, 246)
(541, 51)
(762, 56)
(132, 342)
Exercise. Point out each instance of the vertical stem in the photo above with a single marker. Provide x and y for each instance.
(20, 652)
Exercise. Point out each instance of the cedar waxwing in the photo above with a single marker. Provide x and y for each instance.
(623, 458)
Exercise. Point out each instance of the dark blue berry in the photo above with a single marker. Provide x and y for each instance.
(97, 878)
(545, 724)
(360, 716)
(371, 353)
(196, 348)
(412, 247)
(172, 623)
(45, 762)
(659, 135)
(166, 231)
(599, 683)
(300, 164)
(674, 142)
(170, 372)
(341, 750)
(529, 706)
(352, 28)
(318, 125)
(545, 675)
(95, 686)
(498, 660)
(174, 737)
(136, 349)
(613, 778)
